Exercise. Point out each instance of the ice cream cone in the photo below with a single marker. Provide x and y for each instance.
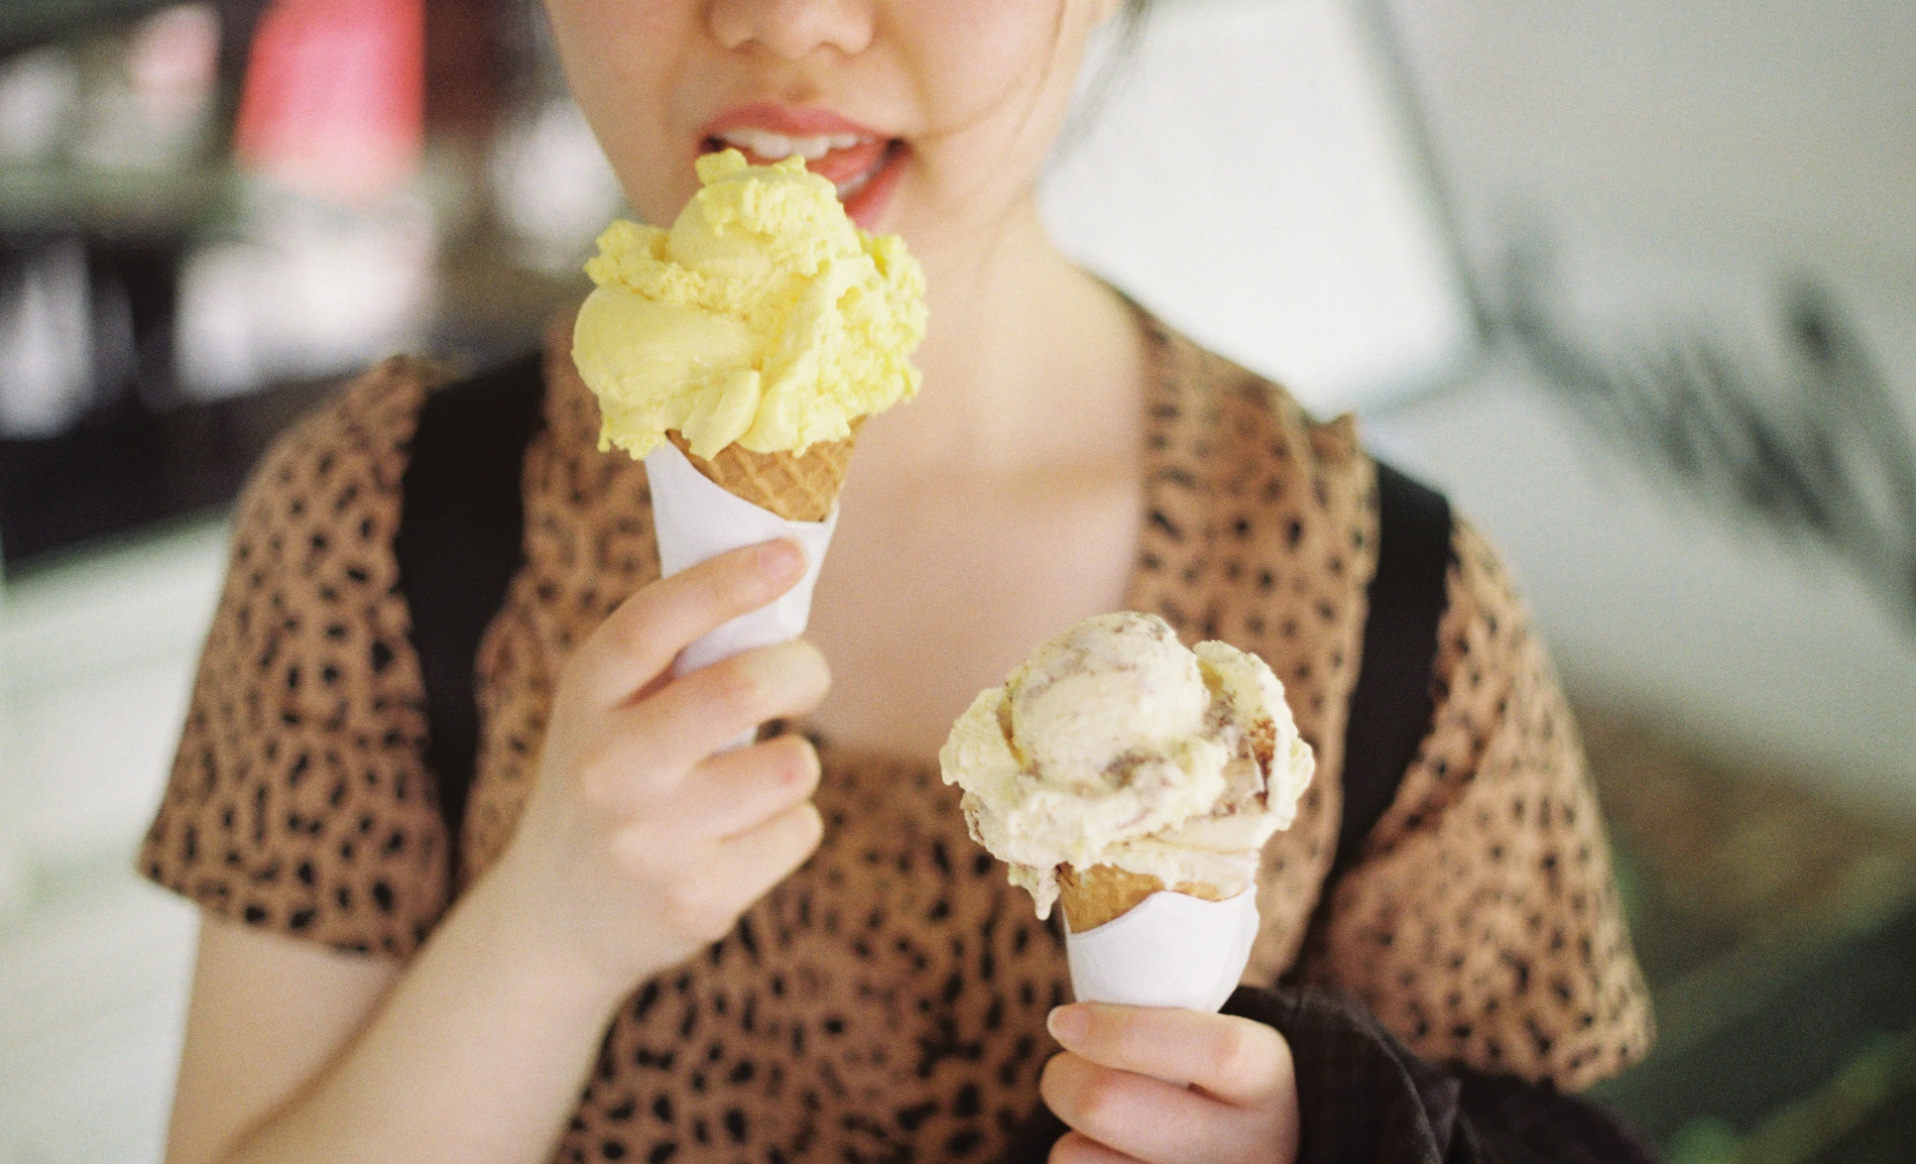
(1105, 893)
(795, 487)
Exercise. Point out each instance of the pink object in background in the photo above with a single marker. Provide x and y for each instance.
(172, 62)
(334, 98)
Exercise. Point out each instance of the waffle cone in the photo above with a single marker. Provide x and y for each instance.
(1104, 893)
(797, 488)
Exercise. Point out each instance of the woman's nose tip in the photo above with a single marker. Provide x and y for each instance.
(792, 29)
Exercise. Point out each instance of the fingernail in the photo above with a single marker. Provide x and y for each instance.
(780, 560)
(1067, 1023)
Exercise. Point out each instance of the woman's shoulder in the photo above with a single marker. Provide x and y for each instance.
(342, 471)
(311, 560)
(1236, 468)
(1208, 402)
(298, 799)
(347, 453)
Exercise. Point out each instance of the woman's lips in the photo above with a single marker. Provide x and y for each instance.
(867, 197)
(863, 164)
(842, 166)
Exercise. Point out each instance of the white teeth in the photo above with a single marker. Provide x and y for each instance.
(849, 188)
(764, 143)
(773, 146)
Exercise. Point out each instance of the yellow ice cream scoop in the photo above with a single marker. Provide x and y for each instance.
(763, 318)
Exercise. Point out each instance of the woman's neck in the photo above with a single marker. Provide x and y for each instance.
(1027, 359)
(1001, 504)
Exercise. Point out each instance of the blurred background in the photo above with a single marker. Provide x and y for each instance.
(1633, 280)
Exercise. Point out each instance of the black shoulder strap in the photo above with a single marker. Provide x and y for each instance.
(458, 546)
(1391, 707)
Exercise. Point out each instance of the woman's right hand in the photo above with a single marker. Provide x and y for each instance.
(642, 842)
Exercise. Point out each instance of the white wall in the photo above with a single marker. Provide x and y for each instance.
(1681, 159)
(1684, 157)
(96, 655)
(1781, 128)
(1249, 178)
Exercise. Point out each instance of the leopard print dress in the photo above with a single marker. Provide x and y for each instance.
(887, 1001)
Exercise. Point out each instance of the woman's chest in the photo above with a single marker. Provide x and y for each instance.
(930, 595)
(886, 1002)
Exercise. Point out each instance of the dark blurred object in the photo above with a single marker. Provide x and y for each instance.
(165, 304)
(46, 335)
(334, 102)
(1777, 929)
(135, 293)
(466, 47)
(1821, 451)
(132, 99)
(26, 23)
(85, 324)
(135, 469)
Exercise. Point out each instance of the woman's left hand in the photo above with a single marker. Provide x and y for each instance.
(1169, 1087)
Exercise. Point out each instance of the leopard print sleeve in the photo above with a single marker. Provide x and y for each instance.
(299, 800)
(1482, 923)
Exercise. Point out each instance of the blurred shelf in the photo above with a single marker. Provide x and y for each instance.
(95, 974)
(135, 468)
(26, 23)
(126, 201)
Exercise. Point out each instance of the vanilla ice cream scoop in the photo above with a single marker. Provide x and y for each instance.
(1114, 745)
(1108, 697)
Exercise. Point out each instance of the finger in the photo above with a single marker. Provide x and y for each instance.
(640, 639)
(1238, 1060)
(735, 790)
(1078, 1148)
(1135, 1114)
(695, 715)
(765, 854)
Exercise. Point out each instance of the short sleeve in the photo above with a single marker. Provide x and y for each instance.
(1482, 922)
(299, 800)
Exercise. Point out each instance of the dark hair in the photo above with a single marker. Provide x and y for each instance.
(1130, 31)
(1131, 19)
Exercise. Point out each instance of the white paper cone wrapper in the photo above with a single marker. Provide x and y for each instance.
(1168, 950)
(695, 519)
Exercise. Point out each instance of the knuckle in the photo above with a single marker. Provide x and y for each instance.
(631, 629)
(601, 781)
(1052, 1077)
(1099, 1101)
(572, 693)
(1229, 1054)
(635, 639)
(712, 926)
(641, 857)
(613, 781)
(693, 910)
(1236, 1053)
(1123, 1029)
(737, 686)
(812, 663)
(733, 587)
